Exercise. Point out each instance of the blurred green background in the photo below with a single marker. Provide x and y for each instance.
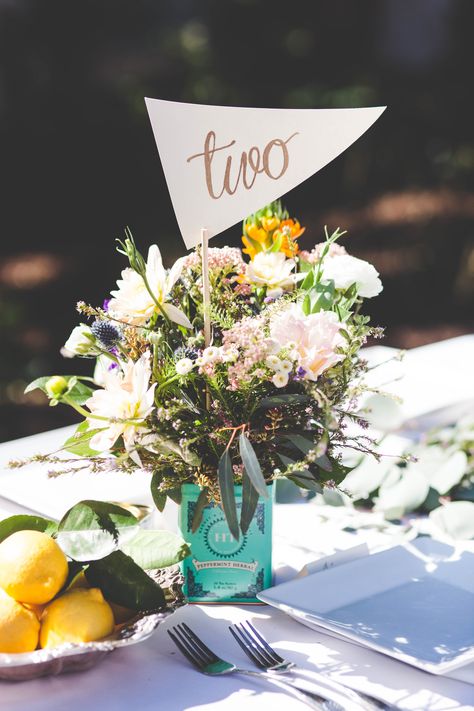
(79, 162)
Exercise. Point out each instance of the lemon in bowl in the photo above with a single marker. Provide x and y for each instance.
(33, 568)
(79, 615)
(19, 627)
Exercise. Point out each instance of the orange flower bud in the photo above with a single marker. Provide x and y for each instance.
(270, 223)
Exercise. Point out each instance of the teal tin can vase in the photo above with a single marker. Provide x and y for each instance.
(220, 568)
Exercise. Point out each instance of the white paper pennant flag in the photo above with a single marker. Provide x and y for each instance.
(222, 163)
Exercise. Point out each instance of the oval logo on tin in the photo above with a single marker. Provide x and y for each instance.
(219, 539)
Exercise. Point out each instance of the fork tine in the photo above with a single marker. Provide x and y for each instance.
(264, 642)
(189, 642)
(205, 651)
(239, 638)
(185, 651)
(255, 647)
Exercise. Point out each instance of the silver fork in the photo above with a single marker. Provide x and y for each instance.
(207, 662)
(264, 656)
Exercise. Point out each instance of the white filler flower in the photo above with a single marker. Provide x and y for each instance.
(133, 303)
(346, 270)
(184, 366)
(126, 401)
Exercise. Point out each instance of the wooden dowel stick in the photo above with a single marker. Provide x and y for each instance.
(206, 297)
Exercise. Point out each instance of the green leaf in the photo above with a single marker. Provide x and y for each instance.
(38, 384)
(175, 495)
(304, 267)
(77, 390)
(252, 466)
(302, 443)
(123, 581)
(306, 305)
(93, 529)
(158, 496)
(156, 549)
(281, 400)
(397, 498)
(305, 445)
(201, 504)
(79, 442)
(277, 244)
(226, 487)
(24, 522)
(305, 482)
(308, 281)
(456, 518)
(249, 502)
(74, 571)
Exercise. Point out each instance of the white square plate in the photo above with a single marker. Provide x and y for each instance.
(413, 602)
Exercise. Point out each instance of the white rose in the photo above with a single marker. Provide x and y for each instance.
(80, 342)
(273, 270)
(184, 366)
(345, 270)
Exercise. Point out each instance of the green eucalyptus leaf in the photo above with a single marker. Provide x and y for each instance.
(123, 581)
(450, 472)
(306, 445)
(175, 495)
(201, 504)
(93, 529)
(249, 502)
(282, 400)
(25, 522)
(398, 498)
(156, 549)
(226, 487)
(251, 465)
(456, 519)
(158, 496)
(367, 477)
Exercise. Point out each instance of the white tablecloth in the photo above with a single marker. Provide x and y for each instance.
(154, 675)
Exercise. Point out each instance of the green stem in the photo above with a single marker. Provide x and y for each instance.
(160, 307)
(167, 382)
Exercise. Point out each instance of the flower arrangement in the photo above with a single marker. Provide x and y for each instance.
(269, 397)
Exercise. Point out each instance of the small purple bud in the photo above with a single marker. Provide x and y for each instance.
(106, 303)
(112, 366)
(301, 372)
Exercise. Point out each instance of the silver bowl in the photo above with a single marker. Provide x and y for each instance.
(78, 657)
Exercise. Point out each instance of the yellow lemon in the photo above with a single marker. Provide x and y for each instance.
(37, 609)
(19, 627)
(33, 567)
(80, 615)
